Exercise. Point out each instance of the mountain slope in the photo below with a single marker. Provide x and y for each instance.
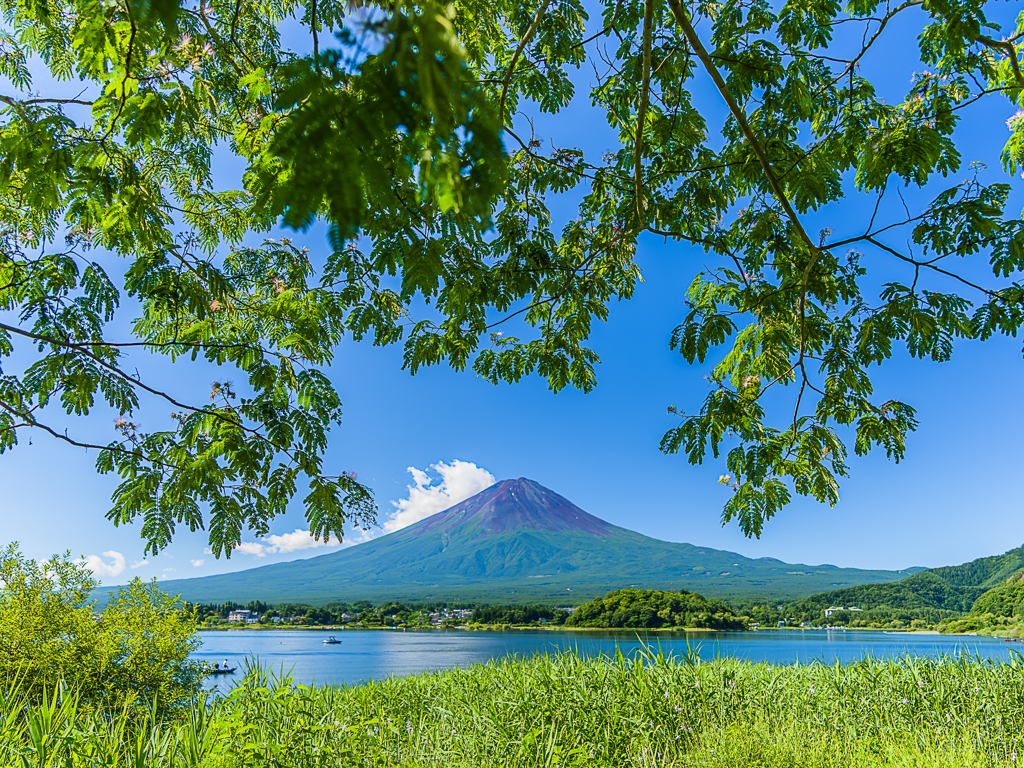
(517, 542)
(949, 588)
(1007, 599)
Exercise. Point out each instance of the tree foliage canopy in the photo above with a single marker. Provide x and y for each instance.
(402, 126)
(648, 608)
(133, 655)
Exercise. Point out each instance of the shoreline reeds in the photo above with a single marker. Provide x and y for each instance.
(645, 710)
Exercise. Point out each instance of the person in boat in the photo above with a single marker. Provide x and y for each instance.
(215, 667)
(226, 665)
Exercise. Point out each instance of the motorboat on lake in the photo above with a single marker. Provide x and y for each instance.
(332, 640)
(220, 670)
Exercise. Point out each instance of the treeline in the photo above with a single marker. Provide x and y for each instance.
(652, 609)
(360, 612)
(519, 615)
(922, 591)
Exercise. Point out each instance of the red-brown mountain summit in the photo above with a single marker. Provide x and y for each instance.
(514, 505)
(517, 542)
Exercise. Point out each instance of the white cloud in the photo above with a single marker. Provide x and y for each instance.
(169, 570)
(207, 551)
(96, 564)
(427, 495)
(197, 563)
(285, 542)
(296, 540)
(459, 480)
(251, 548)
(138, 564)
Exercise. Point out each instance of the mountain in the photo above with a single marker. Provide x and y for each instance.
(949, 588)
(517, 542)
(1007, 599)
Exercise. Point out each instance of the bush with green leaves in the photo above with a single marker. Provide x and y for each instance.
(133, 654)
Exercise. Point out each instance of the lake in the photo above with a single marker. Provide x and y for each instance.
(373, 654)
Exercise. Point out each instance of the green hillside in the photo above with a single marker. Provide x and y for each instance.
(517, 543)
(984, 572)
(517, 568)
(952, 589)
(922, 590)
(1007, 599)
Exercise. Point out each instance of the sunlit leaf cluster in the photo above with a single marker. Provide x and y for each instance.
(738, 130)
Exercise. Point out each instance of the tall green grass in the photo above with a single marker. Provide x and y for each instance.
(564, 710)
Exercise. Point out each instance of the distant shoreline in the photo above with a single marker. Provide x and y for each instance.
(648, 630)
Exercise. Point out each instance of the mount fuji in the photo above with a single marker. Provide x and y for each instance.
(518, 542)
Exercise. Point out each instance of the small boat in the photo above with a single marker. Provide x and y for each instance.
(219, 671)
(332, 641)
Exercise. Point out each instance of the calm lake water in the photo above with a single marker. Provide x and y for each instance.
(371, 654)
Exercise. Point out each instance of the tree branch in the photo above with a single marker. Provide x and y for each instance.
(515, 56)
(1011, 53)
(641, 117)
(117, 371)
(929, 265)
(741, 119)
(14, 102)
(882, 22)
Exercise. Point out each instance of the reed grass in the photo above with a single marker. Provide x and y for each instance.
(565, 710)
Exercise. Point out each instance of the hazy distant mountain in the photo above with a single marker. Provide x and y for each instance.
(515, 542)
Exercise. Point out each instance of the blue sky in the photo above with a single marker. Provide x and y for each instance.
(954, 498)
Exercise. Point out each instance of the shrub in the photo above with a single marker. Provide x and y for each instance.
(135, 652)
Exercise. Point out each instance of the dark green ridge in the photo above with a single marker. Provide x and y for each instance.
(948, 588)
(518, 542)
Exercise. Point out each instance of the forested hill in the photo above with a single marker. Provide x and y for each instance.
(649, 608)
(920, 591)
(984, 572)
(949, 588)
(1005, 600)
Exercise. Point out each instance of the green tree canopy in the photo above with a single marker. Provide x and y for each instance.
(133, 654)
(388, 123)
(650, 609)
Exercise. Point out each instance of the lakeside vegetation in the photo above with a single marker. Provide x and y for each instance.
(82, 691)
(361, 614)
(653, 609)
(136, 653)
(1001, 613)
(562, 710)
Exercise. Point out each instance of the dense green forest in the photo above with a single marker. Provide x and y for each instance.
(1007, 599)
(519, 615)
(984, 572)
(651, 609)
(920, 591)
(931, 595)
